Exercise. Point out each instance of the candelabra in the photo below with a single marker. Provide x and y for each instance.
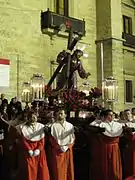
(37, 87)
(110, 90)
(26, 96)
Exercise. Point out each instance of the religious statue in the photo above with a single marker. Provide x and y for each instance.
(74, 67)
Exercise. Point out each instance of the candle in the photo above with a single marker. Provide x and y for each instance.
(37, 92)
(33, 92)
(110, 93)
(41, 91)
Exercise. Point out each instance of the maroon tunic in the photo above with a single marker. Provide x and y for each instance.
(129, 156)
(106, 161)
(35, 167)
(60, 163)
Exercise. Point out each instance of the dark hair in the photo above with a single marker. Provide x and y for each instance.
(106, 112)
(78, 51)
(126, 110)
(20, 116)
(102, 113)
(121, 113)
(133, 109)
(28, 118)
(58, 110)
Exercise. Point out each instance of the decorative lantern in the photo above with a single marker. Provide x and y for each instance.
(38, 87)
(26, 92)
(110, 89)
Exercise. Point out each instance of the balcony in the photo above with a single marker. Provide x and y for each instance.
(56, 21)
(129, 40)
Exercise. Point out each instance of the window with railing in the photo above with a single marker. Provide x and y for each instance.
(62, 7)
(128, 91)
(127, 25)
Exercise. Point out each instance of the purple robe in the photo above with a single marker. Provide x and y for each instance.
(76, 66)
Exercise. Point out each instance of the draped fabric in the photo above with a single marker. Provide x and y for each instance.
(130, 178)
(9, 162)
(35, 167)
(105, 158)
(10, 149)
(129, 156)
(74, 68)
(60, 163)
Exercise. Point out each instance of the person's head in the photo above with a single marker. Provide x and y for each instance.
(108, 115)
(121, 115)
(133, 111)
(30, 117)
(60, 115)
(13, 100)
(116, 115)
(101, 116)
(5, 109)
(78, 53)
(127, 114)
(2, 96)
(50, 116)
(0, 101)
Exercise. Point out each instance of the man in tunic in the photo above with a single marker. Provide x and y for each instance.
(128, 151)
(105, 154)
(60, 155)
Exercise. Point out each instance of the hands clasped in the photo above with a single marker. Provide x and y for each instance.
(36, 152)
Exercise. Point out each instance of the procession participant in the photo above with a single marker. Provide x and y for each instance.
(60, 155)
(105, 154)
(31, 155)
(100, 119)
(4, 100)
(9, 160)
(121, 117)
(128, 151)
(133, 113)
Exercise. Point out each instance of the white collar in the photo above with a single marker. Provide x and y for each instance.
(112, 128)
(34, 133)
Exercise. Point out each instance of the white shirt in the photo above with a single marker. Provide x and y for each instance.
(63, 133)
(112, 129)
(96, 122)
(34, 132)
(131, 124)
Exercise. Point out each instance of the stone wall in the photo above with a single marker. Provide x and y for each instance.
(29, 50)
(128, 9)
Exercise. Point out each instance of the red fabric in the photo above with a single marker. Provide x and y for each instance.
(129, 157)
(4, 61)
(32, 168)
(60, 163)
(1, 150)
(130, 178)
(105, 158)
(10, 149)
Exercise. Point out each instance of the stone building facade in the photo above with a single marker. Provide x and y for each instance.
(30, 51)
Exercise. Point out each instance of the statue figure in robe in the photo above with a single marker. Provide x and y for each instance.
(75, 66)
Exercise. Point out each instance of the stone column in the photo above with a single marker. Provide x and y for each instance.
(109, 32)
